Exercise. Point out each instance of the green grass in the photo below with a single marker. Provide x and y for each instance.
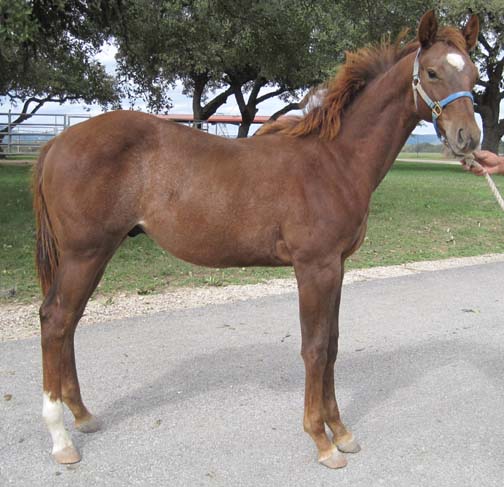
(426, 211)
(420, 212)
(17, 234)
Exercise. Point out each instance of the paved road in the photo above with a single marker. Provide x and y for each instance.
(213, 396)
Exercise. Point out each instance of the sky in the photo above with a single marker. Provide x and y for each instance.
(182, 104)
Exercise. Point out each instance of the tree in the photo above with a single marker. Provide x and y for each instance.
(224, 48)
(370, 20)
(160, 43)
(285, 46)
(46, 53)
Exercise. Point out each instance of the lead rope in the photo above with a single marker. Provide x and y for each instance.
(471, 162)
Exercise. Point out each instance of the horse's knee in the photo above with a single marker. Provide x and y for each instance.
(315, 355)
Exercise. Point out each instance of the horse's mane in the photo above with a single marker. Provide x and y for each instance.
(335, 95)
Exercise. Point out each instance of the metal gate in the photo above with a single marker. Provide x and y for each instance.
(26, 138)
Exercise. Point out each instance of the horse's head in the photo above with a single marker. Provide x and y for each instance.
(443, 78)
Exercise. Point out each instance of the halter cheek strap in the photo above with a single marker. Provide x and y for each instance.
(435, 106)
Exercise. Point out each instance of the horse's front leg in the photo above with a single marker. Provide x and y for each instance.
(318, 284)
(342, 437)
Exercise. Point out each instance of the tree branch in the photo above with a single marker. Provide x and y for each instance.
(299, 105)
(272, 94)
(253, 100)
(285, 109)
(485, 43)
(212, 106)
(236, 87)
(26, 113)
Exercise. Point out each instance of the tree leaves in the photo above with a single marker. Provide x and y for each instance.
(47, 51)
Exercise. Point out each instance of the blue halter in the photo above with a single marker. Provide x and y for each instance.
(435, 106)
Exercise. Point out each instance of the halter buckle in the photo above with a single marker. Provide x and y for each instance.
(437, 109)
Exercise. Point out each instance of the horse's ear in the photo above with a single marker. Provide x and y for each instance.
(471, 31)
(428, 29)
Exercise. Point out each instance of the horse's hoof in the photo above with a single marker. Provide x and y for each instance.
(88, 425)
(335, 459)
(348, 444)
(68, 455)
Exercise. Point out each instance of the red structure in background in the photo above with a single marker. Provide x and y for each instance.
(231, 119)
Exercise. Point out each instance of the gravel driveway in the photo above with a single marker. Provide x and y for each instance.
(21, 321)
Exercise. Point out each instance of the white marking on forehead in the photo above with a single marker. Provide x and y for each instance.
(456, 60)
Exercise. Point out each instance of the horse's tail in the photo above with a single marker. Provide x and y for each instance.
(47, 252)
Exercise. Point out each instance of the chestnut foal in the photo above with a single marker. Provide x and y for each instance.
(298, 194)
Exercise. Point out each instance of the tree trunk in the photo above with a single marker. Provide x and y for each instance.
(204, 112)
(243, 130)
(488, 101)
(492, 134)
(488, 106)
(199, 86)
(249, 109)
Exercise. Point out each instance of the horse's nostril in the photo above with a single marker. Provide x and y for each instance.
(472, 143)
(466, 140)
(460, 137)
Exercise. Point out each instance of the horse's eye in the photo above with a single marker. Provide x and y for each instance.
(432, 74)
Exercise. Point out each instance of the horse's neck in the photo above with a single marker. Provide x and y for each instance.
(378, 124)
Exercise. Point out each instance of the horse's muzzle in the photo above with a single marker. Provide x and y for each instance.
(467, 140)
(462, 138)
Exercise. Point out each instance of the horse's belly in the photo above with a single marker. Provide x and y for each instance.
(218, 246)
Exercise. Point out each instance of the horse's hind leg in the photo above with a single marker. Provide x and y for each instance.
(62, 308)
(342, 438)
(70, 389)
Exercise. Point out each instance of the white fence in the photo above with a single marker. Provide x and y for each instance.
(26, 138)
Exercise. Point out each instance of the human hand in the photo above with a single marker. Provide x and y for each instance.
(491, 163)
(488, 162)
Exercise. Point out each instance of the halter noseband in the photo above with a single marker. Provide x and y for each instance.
(435, 106)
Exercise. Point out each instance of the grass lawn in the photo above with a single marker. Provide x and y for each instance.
(420, 212)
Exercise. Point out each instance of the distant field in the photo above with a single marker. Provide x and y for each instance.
(422, 155)
(10, 157)
(420, 212)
